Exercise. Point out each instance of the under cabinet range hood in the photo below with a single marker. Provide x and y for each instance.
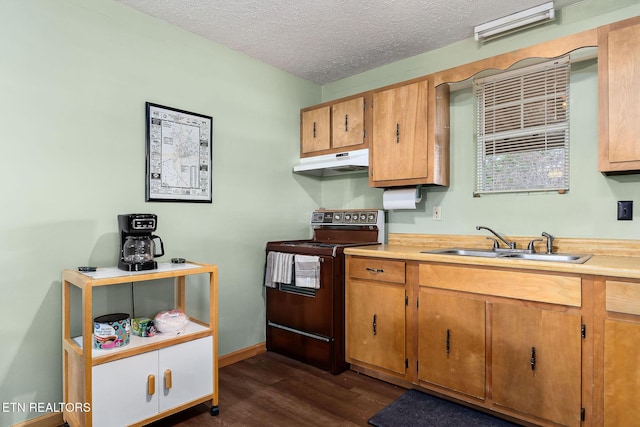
(356, 161)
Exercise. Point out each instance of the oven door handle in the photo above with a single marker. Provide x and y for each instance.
(299, 332)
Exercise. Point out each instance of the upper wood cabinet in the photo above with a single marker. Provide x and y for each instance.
(347, 123)
(315, 128)
(410, 135)
(619, 105)
(333, 127)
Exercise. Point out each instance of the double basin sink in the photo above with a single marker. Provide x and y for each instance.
(513, 254)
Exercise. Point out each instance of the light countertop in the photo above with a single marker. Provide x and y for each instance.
(598, 265)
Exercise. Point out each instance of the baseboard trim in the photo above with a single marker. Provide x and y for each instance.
(242, 354)
(55, 419)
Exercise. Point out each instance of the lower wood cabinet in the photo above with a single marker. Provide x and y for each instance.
(508, 341)
(621, 373)
(375, 315)
(545, 348)
(621, 376)
(536, 362)
(451, 343)
(375, 325)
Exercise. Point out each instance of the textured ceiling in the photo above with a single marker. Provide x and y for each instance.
(327, 40)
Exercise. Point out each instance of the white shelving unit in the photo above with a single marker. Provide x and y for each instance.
(149, 378)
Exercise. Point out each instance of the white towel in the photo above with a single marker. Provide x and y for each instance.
(279, 269)
(307, 271)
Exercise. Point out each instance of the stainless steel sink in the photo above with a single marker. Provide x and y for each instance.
(465, 252)
(507, 254)
(572, 258)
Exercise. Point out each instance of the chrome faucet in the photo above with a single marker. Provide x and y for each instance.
(549, 241)
(511, 245)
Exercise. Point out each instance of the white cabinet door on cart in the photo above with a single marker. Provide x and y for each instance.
(135, 388)
(120, 390)
(185, 372)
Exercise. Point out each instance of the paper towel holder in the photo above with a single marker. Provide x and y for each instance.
(418, 192)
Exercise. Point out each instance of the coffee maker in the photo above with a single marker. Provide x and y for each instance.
(137, 247)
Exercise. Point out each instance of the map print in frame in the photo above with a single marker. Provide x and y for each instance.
(179, 155)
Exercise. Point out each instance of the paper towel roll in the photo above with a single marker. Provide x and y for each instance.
(401, 198)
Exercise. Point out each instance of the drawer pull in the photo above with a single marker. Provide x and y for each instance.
(375, 270)
(314, 130)
(533, 358)
(346, 123)
(448, 342)
(167, 379)
(151, 385)
(374, 325)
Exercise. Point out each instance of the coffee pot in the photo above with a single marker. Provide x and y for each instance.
(140, 249)
(137, 242)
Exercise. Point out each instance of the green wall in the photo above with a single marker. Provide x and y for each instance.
(587, 210)
(74, 79)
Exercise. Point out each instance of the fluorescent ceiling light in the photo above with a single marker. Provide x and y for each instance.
(508, 24)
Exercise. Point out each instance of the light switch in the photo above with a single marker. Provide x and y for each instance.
(625, 210)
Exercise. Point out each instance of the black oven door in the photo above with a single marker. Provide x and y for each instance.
(304, 309)
(309, 326)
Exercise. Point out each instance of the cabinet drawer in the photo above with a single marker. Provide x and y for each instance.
(382, 270)
(623, 297)
(565, 290)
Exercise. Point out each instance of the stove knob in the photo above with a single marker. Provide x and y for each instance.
(363, 217)
(371, 217)
(347, 217)
(337, 217)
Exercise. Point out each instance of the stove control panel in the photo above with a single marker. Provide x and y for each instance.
(348, 217)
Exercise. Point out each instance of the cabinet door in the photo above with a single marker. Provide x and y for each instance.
(399, 144)
(347, 122)
(316, 132)
(536, 362)
(621, 378)
(451, 349)
(619, 75)
(120, 390)
(185, 372)
(375, 327)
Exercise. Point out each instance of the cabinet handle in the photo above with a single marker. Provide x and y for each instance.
(151, 385)
(375, 270)
(533, 358)
(314, 129)
(167, 379)
(374, 325)
(346, 123)
(397, 133)
(448, 343)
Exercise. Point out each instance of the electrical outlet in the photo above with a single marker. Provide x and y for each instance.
(437, 213)
(625, 210)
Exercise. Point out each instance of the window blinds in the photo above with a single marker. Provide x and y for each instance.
(523, 129)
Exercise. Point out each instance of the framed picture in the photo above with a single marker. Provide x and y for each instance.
(179, 155)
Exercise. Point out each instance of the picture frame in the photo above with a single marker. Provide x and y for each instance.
(179, 155)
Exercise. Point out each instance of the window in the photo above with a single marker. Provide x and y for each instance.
(523, 129)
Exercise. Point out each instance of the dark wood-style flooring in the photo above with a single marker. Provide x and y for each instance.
(272, 390)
